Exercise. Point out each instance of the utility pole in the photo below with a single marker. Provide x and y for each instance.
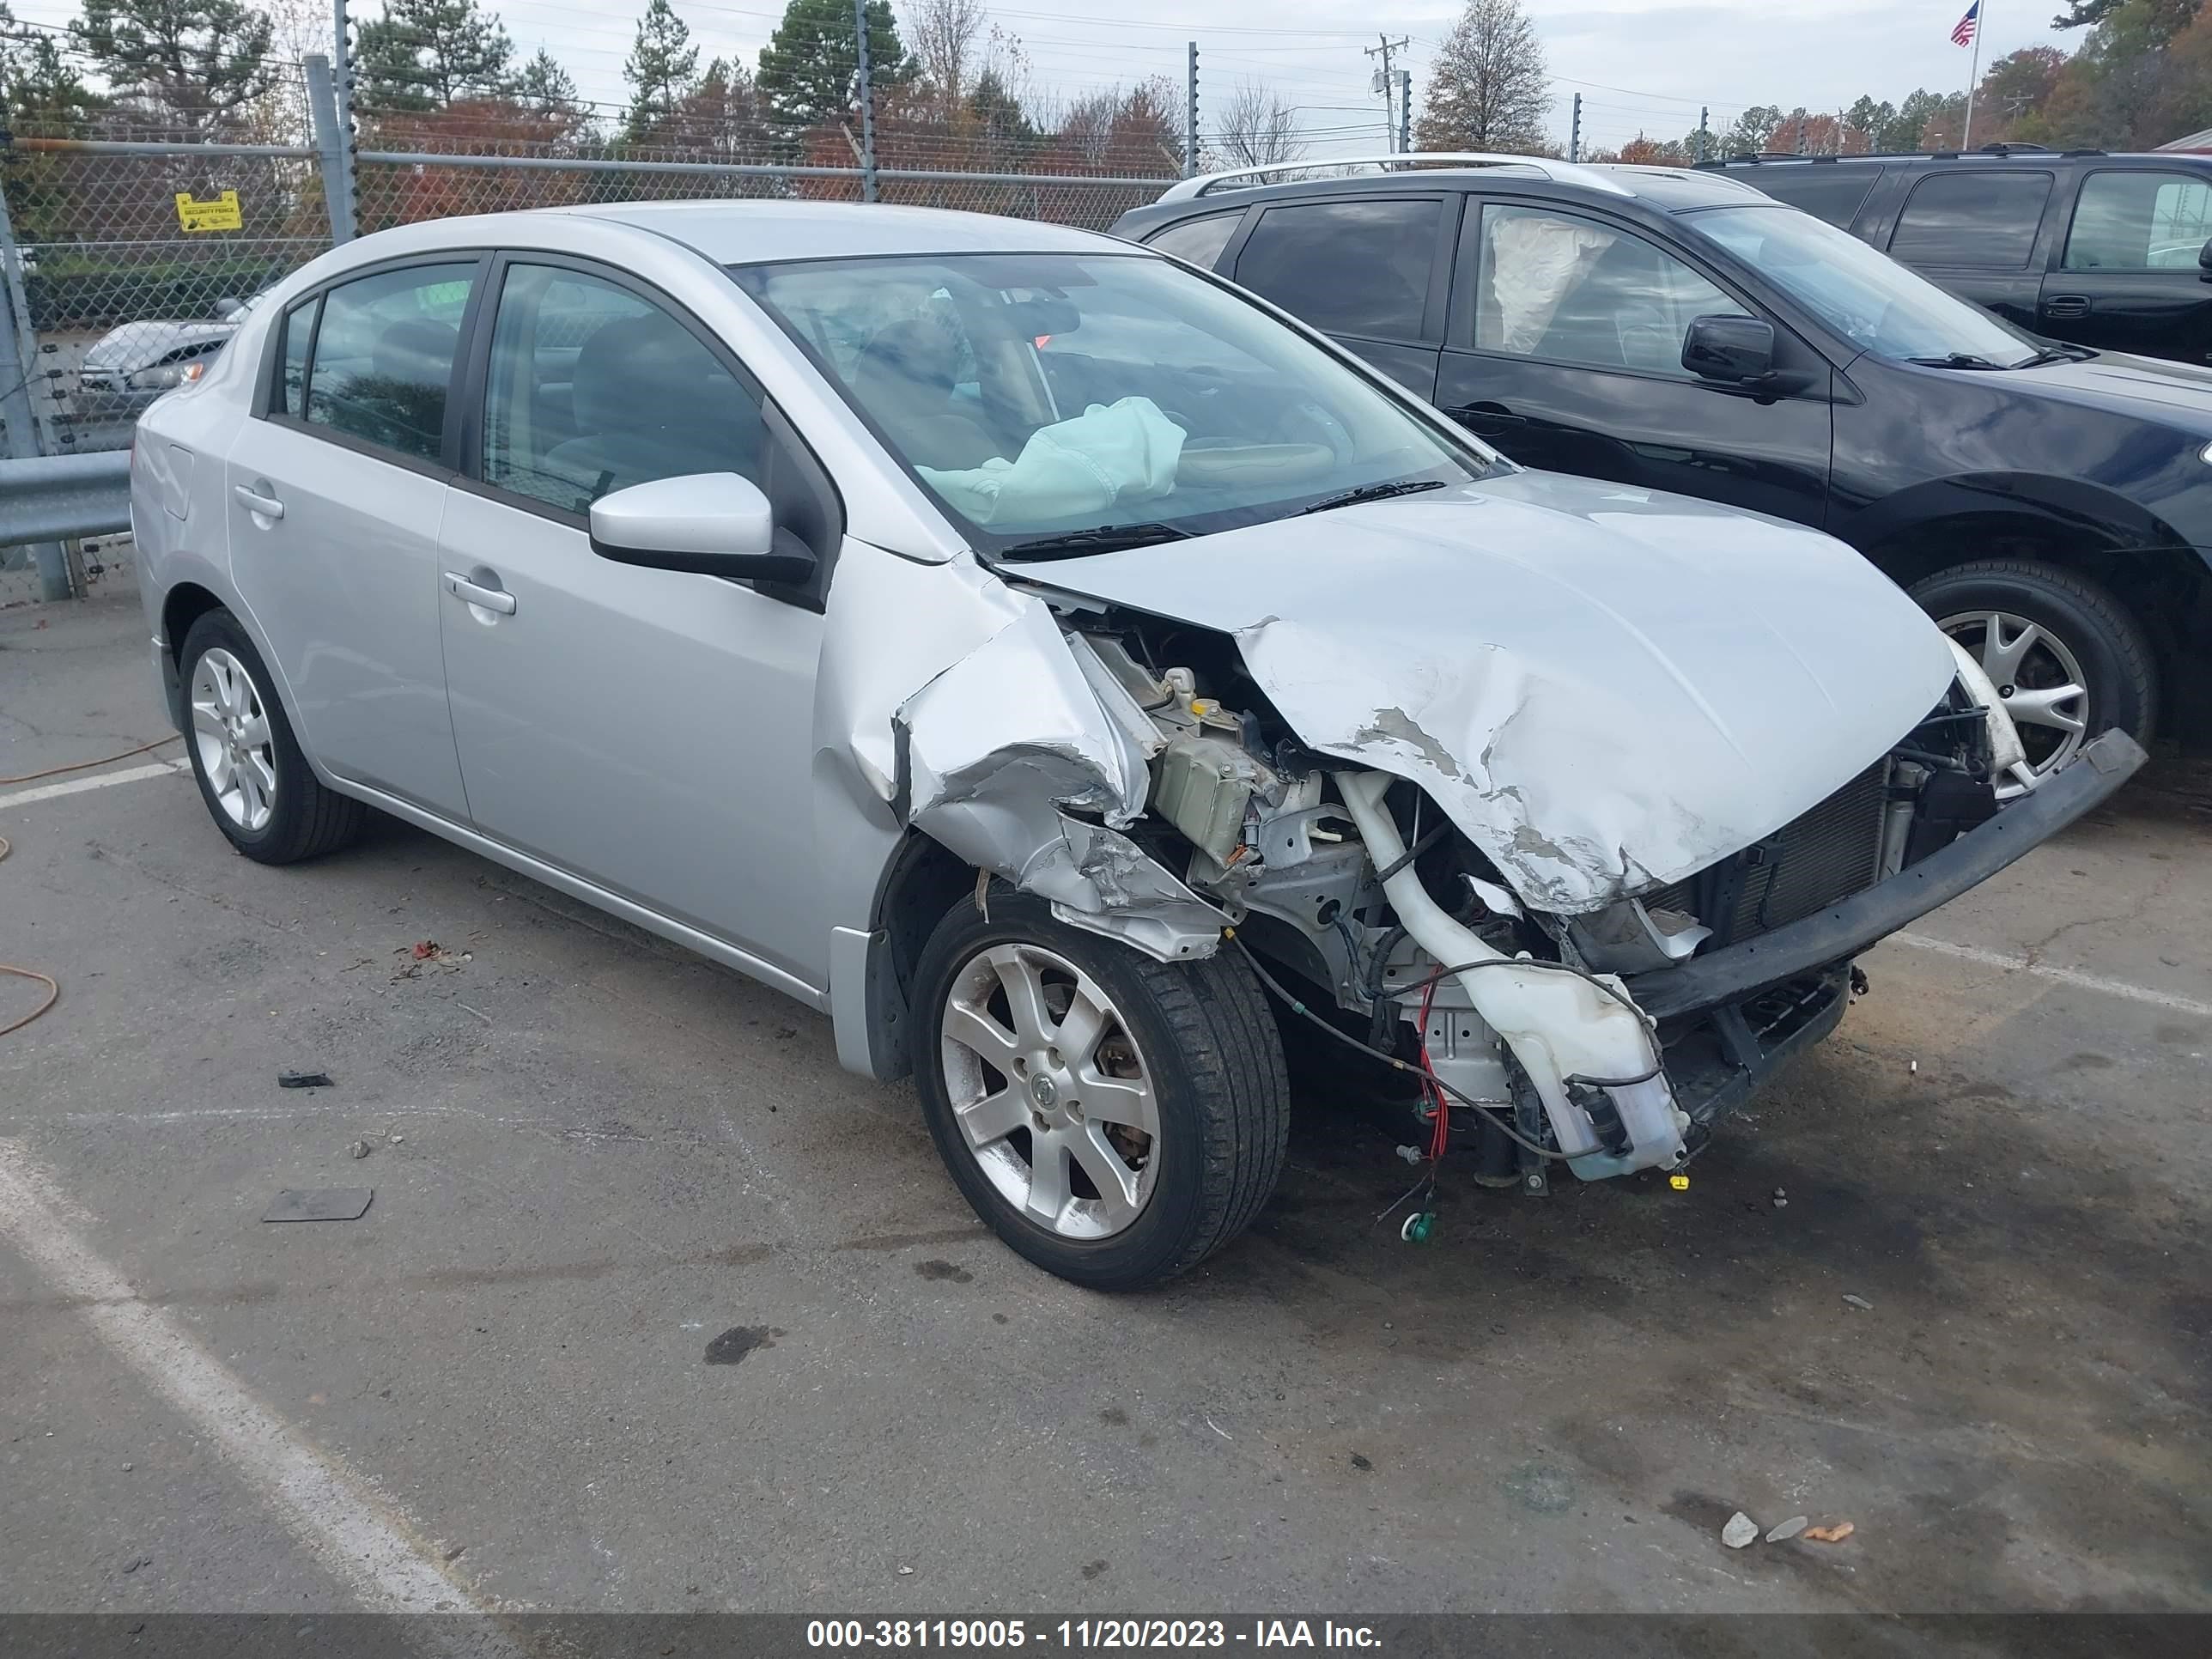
(1405, 112)
(1575, 131)
(1190, 120)
(1386, 83)
(867, 97)
(1704, 144)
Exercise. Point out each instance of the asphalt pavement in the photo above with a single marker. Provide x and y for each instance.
(654, 1309)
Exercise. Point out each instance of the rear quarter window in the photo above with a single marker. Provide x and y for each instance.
(1199, 240)
(1833, 193)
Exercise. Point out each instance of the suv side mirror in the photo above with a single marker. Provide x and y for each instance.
(716, 524)
(2205, 263)
(1739, 351)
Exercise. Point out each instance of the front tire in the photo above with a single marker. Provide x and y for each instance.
(2069, 659)
(1115, 1119)
(258, 785)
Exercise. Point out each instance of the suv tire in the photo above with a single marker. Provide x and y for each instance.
(2085, 636)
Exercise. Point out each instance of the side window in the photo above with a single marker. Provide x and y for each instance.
(1346, 267)
(1821, 189)
(298, 329)
(592, 389)
(1199, 240)
(1570, 290)
(384, 356)
(1971, 219)
(2140, 222)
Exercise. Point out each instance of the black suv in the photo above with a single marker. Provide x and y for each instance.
(1678, 330)
(2101, 250)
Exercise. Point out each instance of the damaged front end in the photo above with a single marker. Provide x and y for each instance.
(1139, 774)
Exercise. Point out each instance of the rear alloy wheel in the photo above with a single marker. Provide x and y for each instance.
(1113, 1118)
(2068, 660)
(258, 785)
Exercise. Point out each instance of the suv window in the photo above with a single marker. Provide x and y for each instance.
(593, 388)
(1572, 290)
(1975, 219)
(1199, 240)
(1826, 192)
(1346, 267)
(384, 356)
(2140, 222)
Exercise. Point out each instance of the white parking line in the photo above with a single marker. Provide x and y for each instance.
(338, 1518)
(78, 785)
(2073, 976)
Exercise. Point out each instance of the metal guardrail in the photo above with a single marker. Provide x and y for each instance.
(52, 498)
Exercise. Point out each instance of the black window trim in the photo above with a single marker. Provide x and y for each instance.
(467, 417)
(1461, 336)
(273, 366)
(2059, 268)
(2049, 177)
(1435, 304)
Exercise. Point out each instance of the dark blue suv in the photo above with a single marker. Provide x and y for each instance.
(2049, 504)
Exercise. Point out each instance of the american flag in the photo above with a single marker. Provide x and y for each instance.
(1964, 34)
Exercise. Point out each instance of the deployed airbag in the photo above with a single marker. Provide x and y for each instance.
(1110, 453)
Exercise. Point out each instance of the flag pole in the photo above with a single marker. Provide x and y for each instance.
(1974, 75)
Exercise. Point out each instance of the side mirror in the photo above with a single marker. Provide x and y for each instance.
(1739, 351)
(716, 524)
(2205, 263)
(228, 309)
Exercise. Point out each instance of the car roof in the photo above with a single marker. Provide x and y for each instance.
(760, 233)
(1990, 156)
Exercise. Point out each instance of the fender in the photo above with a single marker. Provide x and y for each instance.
(2070, 510)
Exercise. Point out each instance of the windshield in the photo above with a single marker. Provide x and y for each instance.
(1115, 395)
(1862, 293)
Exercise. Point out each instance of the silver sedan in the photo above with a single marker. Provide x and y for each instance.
(1058, 666)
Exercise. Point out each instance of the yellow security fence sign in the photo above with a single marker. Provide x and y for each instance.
(221, 213)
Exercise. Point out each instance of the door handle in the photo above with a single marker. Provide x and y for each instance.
(2067, 305)
(1488, 419)
(469, 593)
(267, 506)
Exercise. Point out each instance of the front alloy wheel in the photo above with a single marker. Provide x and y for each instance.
(1051, 1096)
(1113, 1118)
(2039, 680)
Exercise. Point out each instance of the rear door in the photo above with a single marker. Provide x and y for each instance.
(1566, 352)
(337, 494)
(1372, 271)
(2127, 278)
(1976, 231)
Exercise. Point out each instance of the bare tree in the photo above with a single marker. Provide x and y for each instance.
(944, 34)
(1490, 88)
(1257, 128)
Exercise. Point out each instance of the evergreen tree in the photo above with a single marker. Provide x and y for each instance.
(189, 66)
(808, 68)
(663, 69)
(424, 54)
(40, 93)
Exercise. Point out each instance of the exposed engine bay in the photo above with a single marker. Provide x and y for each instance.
(1143, 779)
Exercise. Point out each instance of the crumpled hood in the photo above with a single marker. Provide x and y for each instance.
(141, 345)
(1607, 689)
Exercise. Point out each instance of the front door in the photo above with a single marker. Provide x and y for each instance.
(2129, 280)
(336, 492)
(649, 730)
(1566, 347)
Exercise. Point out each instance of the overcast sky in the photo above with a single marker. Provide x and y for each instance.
(1638, 64)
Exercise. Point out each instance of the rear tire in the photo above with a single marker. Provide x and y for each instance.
(1194, 1041)
(2081, 635)
(257, 784)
